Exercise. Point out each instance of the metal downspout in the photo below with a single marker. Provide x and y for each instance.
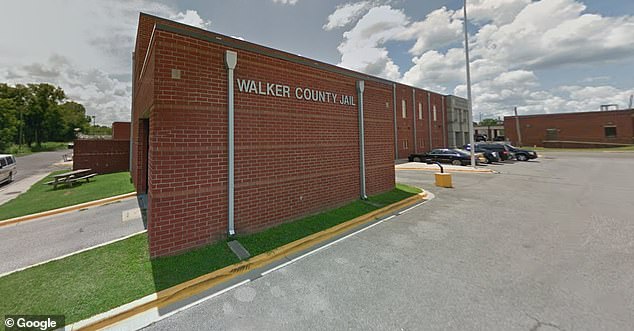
(395, 127)
(444, 129)
(431, 144)
(231, 59)
(360, 88)
(414, 118)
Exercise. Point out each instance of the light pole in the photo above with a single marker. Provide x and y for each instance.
(470, 103)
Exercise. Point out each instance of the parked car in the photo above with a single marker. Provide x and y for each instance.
(522, 154)
(489, 155)
(7, 168)
(503, 152)
(499, 138)
(443, 155)
(480, 137)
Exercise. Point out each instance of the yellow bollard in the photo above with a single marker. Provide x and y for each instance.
(443, 179)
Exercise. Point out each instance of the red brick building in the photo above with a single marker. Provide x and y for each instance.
(305, 136)
(586, 129)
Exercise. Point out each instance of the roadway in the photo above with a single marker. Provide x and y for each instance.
(27, 243)
(543, 245)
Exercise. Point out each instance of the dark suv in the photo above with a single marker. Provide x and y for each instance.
(503, 152)
(522, 154)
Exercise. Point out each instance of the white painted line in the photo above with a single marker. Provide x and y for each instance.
(199, 301)
(277, 267)
(73, 253)
(323, 247)
(410, 208)
(431, 196)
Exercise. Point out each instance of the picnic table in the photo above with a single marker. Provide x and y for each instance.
(71, 177)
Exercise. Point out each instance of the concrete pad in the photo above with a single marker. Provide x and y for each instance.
(239, 250)
(130, 214)
(446, 167)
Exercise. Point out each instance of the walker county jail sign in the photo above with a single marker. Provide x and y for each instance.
(284, 91)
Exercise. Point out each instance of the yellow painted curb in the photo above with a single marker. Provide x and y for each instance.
(205, 282)
(66, 209)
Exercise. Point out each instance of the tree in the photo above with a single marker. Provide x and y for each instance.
(73, 116)
(8, 123)
(489, 122)
(42, 117)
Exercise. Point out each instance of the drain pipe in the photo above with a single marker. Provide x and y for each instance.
(360, 88)
(395, 127)
(414, 119)
(444, 129)
(231, 59)
(431, 143)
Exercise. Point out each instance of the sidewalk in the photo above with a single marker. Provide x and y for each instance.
(447, 168)
(12, 190)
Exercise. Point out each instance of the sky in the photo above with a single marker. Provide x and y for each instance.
(545, 56)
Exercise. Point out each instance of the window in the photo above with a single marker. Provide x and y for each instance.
(3, 162)
(404, 109)
(434, 110)
(610, 131)
(420, 111)
(405, 144)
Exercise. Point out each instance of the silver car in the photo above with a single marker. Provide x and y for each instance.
(8, 168)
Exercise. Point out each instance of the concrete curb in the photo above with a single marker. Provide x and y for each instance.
(205, 282)
(66, 209)
(484, 171)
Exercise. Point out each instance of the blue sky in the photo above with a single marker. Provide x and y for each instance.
(542, 56)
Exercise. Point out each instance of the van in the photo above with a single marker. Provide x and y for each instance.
(7, 168)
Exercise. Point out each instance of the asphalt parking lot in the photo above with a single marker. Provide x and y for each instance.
(541, 245)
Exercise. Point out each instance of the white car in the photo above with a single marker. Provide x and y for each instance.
(8, 168)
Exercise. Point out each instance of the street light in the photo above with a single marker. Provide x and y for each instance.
(470, 103)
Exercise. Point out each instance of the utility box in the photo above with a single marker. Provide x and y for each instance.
(443, 179)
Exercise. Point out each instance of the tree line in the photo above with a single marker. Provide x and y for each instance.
(35, 113)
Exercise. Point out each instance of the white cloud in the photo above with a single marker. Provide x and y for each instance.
(362, 48)
(191, 17)
(344, 14)
(87, 53)
(437, 30)
(498, 12)
(286, 2)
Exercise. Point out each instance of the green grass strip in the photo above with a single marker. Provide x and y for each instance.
(41, 197)
(89, 283)
(26, 150)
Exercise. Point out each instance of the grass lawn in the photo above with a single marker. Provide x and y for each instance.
(41, 197)
(95, 281)
(26, 150)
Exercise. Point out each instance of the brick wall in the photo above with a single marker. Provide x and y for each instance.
(578, 127)
(418, 141)
(101, 155)
(293, 157)
(121, 131)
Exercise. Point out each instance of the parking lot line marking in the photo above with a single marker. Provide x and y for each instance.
(199, 301)
(410, 208)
